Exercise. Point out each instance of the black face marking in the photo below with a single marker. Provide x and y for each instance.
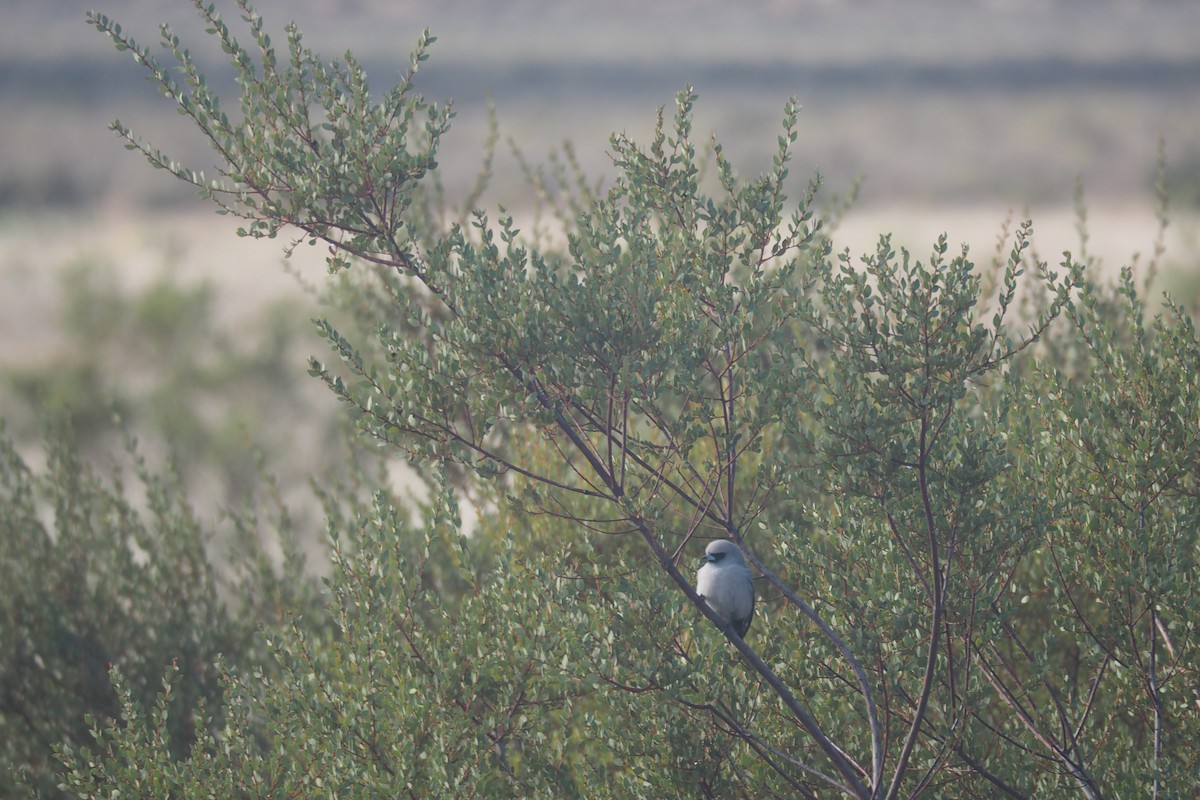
(718, 556)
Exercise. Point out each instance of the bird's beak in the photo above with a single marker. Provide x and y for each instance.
(708, 558)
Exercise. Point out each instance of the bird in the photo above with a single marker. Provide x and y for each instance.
(727, 585)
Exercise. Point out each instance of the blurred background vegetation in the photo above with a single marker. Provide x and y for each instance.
(127, 310)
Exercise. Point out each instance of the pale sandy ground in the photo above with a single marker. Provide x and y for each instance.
(249, 275)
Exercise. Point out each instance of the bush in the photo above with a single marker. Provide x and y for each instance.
(971, 492)
(98, 576)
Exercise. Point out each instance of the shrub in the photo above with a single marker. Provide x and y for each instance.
(100, 575)
(978, 558)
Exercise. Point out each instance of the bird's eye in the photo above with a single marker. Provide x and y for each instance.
(718, 556)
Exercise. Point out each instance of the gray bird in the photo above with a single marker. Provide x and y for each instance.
(726, 584)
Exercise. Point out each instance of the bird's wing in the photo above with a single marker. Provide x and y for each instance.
(743, 625)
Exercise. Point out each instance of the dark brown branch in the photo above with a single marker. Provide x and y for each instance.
(935, 628)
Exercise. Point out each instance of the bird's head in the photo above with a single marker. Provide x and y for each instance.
(723, 551)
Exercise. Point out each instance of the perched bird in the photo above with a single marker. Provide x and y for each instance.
(726, 584)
